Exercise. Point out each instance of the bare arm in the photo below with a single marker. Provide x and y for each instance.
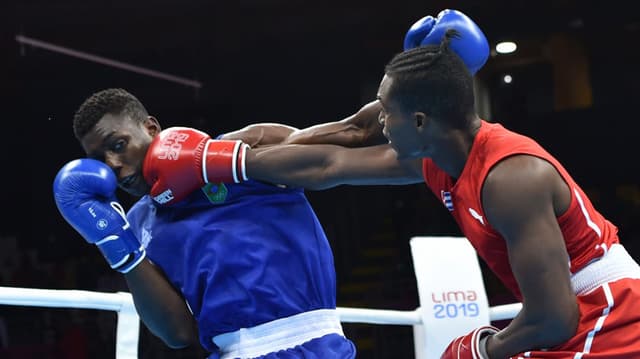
(359, 129)
(324, 166)
(261, 134)
(522, 197)
(161, 307)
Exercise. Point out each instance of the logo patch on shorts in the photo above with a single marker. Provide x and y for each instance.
(215, 192)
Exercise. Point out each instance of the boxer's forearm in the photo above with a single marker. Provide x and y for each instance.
(261, 134)
(358, 130)
(161, 307)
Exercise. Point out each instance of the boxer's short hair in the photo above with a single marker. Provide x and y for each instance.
(113, 101)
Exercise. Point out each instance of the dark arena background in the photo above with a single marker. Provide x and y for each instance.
(221, 65)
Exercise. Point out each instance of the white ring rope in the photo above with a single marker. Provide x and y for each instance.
(128, 321)
(31, 297)
(128, 324)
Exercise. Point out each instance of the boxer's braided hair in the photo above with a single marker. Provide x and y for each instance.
(433, 79)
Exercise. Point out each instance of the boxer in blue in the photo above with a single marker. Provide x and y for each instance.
(245, 268)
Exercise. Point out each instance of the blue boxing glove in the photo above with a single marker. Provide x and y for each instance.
(84, 191)
(472, 46)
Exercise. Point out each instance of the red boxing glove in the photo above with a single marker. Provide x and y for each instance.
(469, 346)
(181, 160)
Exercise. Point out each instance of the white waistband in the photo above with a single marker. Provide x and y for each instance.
(615, 264)
(279, 334)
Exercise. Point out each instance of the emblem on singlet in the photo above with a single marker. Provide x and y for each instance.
(215, 192)
(446, 199)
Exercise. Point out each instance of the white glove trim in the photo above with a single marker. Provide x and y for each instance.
(204, 161)
(234, 161)
(135, 264)
(479, 341)
(243, 161)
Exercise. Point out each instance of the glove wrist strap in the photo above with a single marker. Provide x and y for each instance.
(224, 161)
